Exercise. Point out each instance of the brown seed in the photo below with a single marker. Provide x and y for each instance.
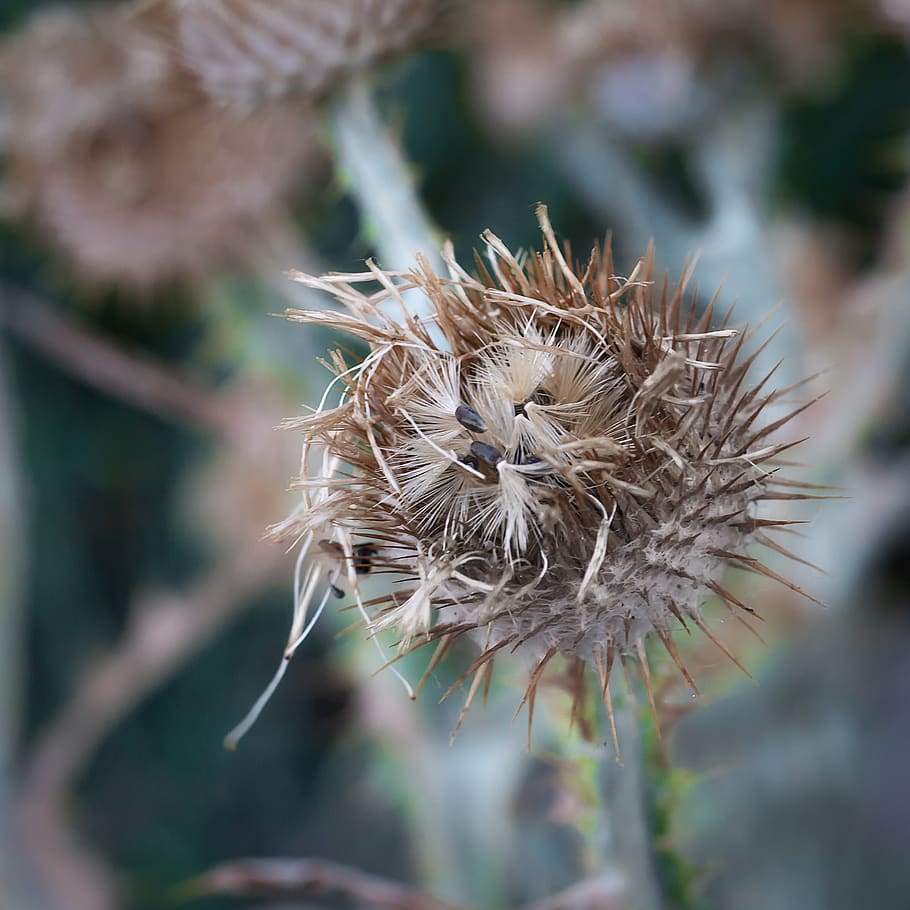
(486, 454)
(470, 419)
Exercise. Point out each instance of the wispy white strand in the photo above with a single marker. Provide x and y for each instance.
(378, 645)
(302, 637)
(233, 738)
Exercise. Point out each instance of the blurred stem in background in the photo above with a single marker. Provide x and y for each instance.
(370, 161)
(13, 557)
(13, 564)
(165, 630)
(623, 792)
(129, 375)
(379, 178)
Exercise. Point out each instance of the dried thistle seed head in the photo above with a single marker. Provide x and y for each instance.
(245, 51)
(570, 473)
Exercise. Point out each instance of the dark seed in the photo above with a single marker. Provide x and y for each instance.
(468, 461)
(486, 454)
(364, 553)
(529, 459)
(337, 591)
(470, 419)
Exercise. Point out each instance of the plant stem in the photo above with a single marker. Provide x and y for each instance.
(13, 558)
(383, 187)
(628, 843)
(101, 363)
(311, 876)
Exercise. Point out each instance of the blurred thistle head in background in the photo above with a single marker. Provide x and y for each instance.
(245, 52)
(648, 70)
(70, 72)
(119, 145)
(176, 195)
(115, 154)
(567, 471)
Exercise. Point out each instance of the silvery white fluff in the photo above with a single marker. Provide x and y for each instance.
(570, 472)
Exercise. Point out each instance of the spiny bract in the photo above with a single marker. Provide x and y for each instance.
(561, 461)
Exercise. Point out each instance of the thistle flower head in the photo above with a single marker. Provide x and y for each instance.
(565, 468)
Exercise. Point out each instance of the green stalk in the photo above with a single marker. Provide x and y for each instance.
(381, 182)
(624, 842)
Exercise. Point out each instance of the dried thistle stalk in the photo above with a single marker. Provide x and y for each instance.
(571, 476)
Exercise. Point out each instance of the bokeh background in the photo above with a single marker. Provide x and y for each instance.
(145, 234)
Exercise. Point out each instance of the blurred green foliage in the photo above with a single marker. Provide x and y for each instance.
(843, 151)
